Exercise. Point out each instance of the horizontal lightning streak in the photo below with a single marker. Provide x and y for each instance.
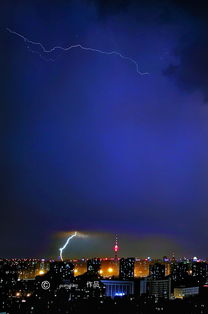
(44, 50)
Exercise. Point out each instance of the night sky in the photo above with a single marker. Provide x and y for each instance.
(88, 144)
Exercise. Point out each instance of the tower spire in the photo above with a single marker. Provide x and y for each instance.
(116, 248)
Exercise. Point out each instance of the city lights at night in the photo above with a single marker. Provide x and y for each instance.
(104, 172)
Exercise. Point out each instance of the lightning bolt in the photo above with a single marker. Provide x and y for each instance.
(65, 245)
(47, 51)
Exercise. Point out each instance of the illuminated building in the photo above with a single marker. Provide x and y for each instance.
(63, 270)
(80, 267)
(126, 270)
(179, 271)
(93, 266)
(109, 268)
(142, 286)
(157, 271)
(117, 288)
(159, 289)
(141, 268)
(200, 271)
(165, 259)
(182, 292)
(105, 265)
(167, 268)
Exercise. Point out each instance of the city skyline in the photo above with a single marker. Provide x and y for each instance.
(104, 157)
(133, 285)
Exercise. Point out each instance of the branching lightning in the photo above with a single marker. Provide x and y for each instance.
(65, 245)
(80, 46)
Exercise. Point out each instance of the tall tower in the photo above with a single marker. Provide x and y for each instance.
(116, 248)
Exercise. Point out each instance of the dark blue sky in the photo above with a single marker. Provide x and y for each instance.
(88, 143)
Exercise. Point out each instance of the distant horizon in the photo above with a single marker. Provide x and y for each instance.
(112, 258)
